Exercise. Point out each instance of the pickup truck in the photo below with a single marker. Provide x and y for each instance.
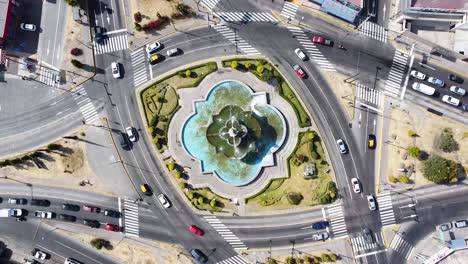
(11, 212)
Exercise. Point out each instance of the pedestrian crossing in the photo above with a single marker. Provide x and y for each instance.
(131, 223)
(210, 4)
(384, 201)
(397, 71)
(232, 239)
(368, 95)
(48, 76)
(337, 222)
(246, 16)
(359, 243)
(139, 65)
(311, 49)
(402, 246)
(232, 36)
(86, 106)
(374, 31)
(111, 44)
(289, 10)
(234, 260)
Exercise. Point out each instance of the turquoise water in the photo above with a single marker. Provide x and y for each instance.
(232, 171)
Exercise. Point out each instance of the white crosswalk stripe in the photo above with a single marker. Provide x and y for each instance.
(289, 10)
(85, 104)
(232, 36)
(397, 72)
(111, 44)
(311, 49)
(48, 76)
(402, 246)
(232, 239)
(368, 95)
(234, 260)
(210, 4)
(387, 215)
(246, 16)
(337, 222)
(374, 31)
(131, 223)
(359, 244)
(139, 65)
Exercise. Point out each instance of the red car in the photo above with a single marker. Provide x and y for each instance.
(112, 227)
(92, 209)
(300, 72)
(195, 230)
(321, 40)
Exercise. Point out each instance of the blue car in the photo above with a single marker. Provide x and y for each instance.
(320, 225)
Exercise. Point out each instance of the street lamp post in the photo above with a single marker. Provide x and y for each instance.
(269, 252)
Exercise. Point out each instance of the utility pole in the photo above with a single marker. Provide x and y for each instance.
(269, 252)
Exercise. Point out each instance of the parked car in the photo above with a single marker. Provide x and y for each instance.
(371, 202)
(36, 253)
(131, 133)
(371, 141)
(436, 82)
(150, 48)
(341, 146)
(450, 100)
(155, 58)
(146, 189)
(16, 212)
(67, 218)
(112, 213)
(72, 261)
(30, 261)
(300, 54)
(164, 201)
(44, 214)
(323, 41)
(418, 75)
(460, 223)
(123, 141)
(356, 185)
(17, 201)
(299, 71)
(465, 107)
(91, 223)
(457, 90)
(320, 236)
(198, 255)
(367, 234)
(444, 227)
(455, 78)
(195, 230)
(40, 202)
(70, 207)
(115, 70)
(112, 227)
(320, 225)
(173, 52)
(99, 35)
(28, 27)
(92, 209)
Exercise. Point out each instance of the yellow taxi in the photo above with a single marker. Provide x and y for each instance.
(154, 58)
(371, 141)
(145, 189)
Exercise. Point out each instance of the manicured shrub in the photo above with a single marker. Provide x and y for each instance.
(333, 257)
(291, 260)
(411, 133)
(178, 174)
(260, 69)
(76, 63)
(182, 185)
(326, 199)
(403, 179)
(188, 73)
(325, 257)
(311, 135)
(213, 203)
(248, 65)
(414, 151)
(234, 64)
(99, 243)
(294, 198)
(190, 195)
(392, 179)
(447, 142)
(171, 166)
(201, 200)
(308, 260)
(53, 146)
(155, 140)
(181, 74)
(138, 16)
(332, 195)
(439, 170)
(331, 186)
(138, 26)
(453, 180)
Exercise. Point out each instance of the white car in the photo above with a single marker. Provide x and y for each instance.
(320, 236)
(444, 227)
(164, 201)
(172, 52)
(131, 134)
(16, 212)
(371, 202)
(39, 254)
(115, 70)
(44, 214)
(28, 27)
(450, 100)
(418, 75)
(457, 90)
(153, 47)
(341, 146)
(300, 54)
(356, 185)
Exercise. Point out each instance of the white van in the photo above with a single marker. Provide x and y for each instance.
(422, 88)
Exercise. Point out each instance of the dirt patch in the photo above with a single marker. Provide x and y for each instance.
(304, 257)
(427, 127)
(345, 92)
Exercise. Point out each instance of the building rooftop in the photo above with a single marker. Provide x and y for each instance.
(438, 4)
(4, 9)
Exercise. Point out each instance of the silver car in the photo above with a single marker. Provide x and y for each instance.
(450, 100)
(418, 75)
(320, 236)
(341, 146)
(457, 90)
(150, 48)
(435, 81)
(172, 52)
(371, 202)
(300, 54)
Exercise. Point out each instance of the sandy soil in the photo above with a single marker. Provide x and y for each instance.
(300, 257)
(345, 92)
(427, 126)
(66, 167)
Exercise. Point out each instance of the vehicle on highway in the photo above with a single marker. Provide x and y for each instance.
(322, 40)
(67, 218)
(173, 52)
(457, 90)
(450, 100)
(436, 82)
(146, 189)
(44, 214)
(341, 146)
(367, 234)
(112, 227)
(11, 212)
(320, 236)
(299, 71)
(300, 54)
(154, 58)
(195, 230)
(198, 255)
(455, 78)
(36, 253)
(371, 141)
(444, 227)
(320, 225)
(40, 202)
(28, 27)
(72, 261)
(91, 223)
(17, 201)
(92, 209)
(356, 185)
(123, 141)
(150, 48)
(422, 88)
(71, 207)
(115, 70)
(164, 201)
(371, 202)
(131, 133)
(418, 75)
(460, 223)
(112, 213)
(99, 34)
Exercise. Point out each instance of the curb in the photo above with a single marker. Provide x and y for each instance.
(379, 154)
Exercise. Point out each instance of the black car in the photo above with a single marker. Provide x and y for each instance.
(71, 207)
(320, 225)
(91, 223)
(68, 218)
(123, 141)
(198, 255)
(99, 34)
(40, 202)
(17, 201)
(112, 213)
(455, 78)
